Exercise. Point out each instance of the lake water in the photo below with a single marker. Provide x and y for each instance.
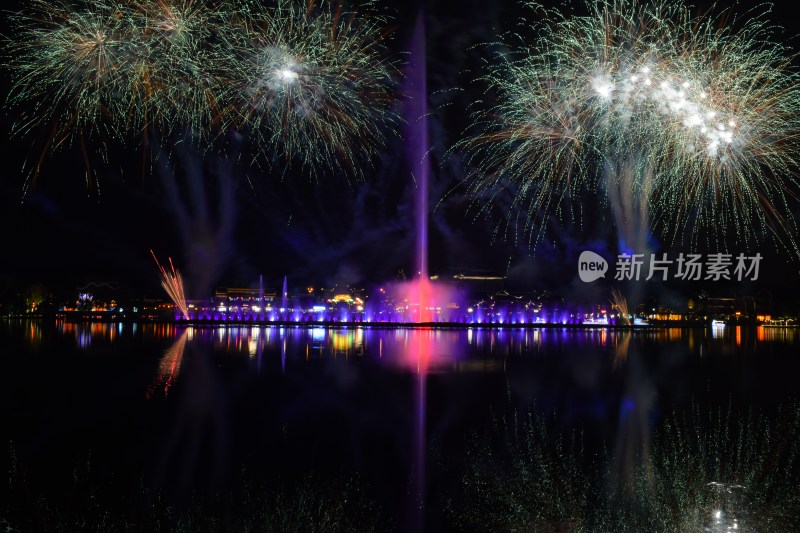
(153, 426)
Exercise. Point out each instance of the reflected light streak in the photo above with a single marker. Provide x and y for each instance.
(423, 349)
(170, 365)
(621, 349)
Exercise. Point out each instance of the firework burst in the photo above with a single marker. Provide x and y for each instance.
(695, 120)
(313, 82)
(67, 63)
(308, 81)
(173, 284)
(177, 79)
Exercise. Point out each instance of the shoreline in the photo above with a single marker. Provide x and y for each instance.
(100, 318)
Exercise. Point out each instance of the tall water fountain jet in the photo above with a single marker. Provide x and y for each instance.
(284, 296)
(416, 111)
(426, 302)
(418, 292)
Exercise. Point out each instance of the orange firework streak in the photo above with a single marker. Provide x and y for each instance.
(173, 284)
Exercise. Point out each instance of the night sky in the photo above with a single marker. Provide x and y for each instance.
(321, 230)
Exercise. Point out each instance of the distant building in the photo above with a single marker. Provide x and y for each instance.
(473, 282)
(738, 306)
(238, 299)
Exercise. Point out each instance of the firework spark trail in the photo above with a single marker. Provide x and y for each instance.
(694, 120)
(65, 65)
(309, 81)
(620, 303)
(173, 284)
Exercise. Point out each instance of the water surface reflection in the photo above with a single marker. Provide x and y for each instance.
(423, 415)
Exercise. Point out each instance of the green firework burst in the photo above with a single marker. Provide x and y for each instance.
(309, 81)
(696, 119)
(313, 82)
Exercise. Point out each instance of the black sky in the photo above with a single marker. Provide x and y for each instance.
(330, 230)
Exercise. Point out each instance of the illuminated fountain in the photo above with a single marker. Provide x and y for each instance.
(424, 301)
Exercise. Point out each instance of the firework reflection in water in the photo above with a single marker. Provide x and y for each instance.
(703, 472)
